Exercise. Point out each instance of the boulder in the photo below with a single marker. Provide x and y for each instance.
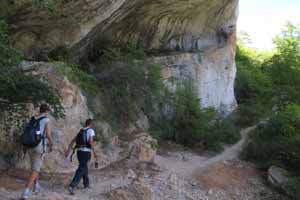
(143, 147)
(104, 131)
(136, 191)
(277, 177)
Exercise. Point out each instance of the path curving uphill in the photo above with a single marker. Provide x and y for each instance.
(191, 162)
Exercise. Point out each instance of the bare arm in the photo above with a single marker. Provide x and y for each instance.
(48, 135)
(70, 147)
(91, 141)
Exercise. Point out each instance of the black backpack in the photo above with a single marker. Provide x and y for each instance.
(82, 139)
(32, 136)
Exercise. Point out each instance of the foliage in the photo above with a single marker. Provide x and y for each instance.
(293, 187)
(222, 131)
(277, 141)
(17, 88)
(20, 89)
(288, 44)
(48, 5)
(249, 114)
(60, 53)
(253, 86)
(184, 121)
(129, 85)
(284, 66)
(273, 84)
(61, 56)
(75, 74)
(9, 57)
(190, 122)
(103, 52)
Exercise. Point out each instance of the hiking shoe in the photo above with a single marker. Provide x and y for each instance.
(88, 189)
(37, 187)
(26, 193)
(71, 190)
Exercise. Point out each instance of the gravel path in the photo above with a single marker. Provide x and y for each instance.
(186, 163)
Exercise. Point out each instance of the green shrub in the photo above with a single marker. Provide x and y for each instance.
(283, 66)
(185, 122)
(127, 83)
(60, 53)
(75, 74)
(254, 88)
(222, 131)
(9, 57)
(248, 114)
(20, 89)
(252, 85)
(293, 187)
(277, 141)
(107, 52)
(270, 87)
(51, 6)
(190, 122)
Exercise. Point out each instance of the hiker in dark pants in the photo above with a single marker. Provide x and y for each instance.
(85, 146)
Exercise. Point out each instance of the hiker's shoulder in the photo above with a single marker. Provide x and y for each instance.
(91, 131)
(42, 118)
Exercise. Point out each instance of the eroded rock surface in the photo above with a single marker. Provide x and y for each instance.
(213, 72)
(206, 27)
(155, 24)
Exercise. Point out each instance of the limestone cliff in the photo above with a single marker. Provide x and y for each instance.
(63, 130)
(204, 27)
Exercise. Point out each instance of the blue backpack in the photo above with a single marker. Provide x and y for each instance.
(32, 136)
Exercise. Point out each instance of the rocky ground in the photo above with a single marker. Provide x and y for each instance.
(171, 174)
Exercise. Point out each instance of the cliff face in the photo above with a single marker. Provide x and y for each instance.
(204, 27)
(63, 130)
(156, 24)
(213, 72)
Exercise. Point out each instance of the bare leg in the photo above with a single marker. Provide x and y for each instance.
(33, 177)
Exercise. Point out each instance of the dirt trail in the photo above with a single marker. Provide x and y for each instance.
(190, 162)
(179, 174)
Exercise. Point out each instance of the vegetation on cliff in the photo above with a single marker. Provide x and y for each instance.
(129, 84)
(182, 120)
(17, 88)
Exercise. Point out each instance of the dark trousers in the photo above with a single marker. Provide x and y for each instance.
(82, 171)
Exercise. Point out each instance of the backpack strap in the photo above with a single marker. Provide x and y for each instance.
(43, 135)
(41, 118)
(82, 131)
(86, 136)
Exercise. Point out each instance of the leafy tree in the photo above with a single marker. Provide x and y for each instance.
(253, 86)
(244, 38)
(288, 45)
(276, 141)
(284, 66)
